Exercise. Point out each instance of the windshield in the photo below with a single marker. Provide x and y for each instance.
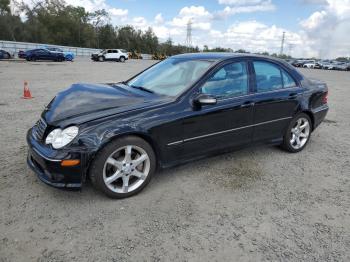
(171, 76)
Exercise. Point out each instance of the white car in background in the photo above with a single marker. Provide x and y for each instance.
(310, 64)
(119, 55)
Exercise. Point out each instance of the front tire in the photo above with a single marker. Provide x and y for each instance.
(123, 167)
(122, 59)
(101, 59)
(298, 133)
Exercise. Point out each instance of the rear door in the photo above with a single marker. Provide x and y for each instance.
(276, 100)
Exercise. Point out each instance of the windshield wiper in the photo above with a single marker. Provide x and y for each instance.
(143, 89)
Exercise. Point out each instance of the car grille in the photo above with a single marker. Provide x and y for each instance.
(39, 129)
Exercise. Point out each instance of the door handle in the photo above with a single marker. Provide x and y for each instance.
(247, 104)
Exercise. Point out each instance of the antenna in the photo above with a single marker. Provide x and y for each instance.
(282, 44)
(189, 33)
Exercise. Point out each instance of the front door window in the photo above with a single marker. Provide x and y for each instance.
(229, 81)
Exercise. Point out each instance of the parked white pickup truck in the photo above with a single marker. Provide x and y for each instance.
(119, 55)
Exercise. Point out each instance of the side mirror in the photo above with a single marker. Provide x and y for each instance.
(203, 99)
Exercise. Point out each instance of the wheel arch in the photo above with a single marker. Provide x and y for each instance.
(109, 139)
(310, 114)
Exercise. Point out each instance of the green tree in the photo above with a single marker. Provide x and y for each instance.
(4, 7)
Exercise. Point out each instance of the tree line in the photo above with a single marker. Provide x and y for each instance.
(55, 22)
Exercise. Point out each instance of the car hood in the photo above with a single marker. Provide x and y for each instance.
(85, 102)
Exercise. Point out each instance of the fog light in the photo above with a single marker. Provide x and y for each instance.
(70, 162)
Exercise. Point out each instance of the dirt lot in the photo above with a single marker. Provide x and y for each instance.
(257, 204)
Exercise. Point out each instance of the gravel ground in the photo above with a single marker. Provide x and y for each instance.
(256, 204)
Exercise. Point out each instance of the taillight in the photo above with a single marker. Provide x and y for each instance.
(325, 98)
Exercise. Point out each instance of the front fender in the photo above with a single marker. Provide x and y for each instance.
(96, 138)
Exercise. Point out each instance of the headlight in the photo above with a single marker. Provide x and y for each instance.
(58, 138)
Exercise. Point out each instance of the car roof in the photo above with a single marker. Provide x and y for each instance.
(223, 56)
(217, 57)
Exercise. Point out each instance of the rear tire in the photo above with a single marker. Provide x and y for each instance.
(297, 134)
(123, 167)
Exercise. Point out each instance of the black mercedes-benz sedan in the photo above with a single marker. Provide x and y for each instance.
(183, 108)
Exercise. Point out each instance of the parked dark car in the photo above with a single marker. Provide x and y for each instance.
(298, 63)
(69, 56)
(4, 54)
(21, 54)
(183, 108)
(44, 54)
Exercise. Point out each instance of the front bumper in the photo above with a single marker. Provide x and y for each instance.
(46, 163)
(94, 57)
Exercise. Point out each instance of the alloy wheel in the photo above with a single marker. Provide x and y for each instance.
(300, 133)
(126, 169)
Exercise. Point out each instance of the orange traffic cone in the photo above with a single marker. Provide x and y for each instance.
(26, 91)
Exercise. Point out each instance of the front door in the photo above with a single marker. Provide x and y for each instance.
(43, 54)
(109, 55)
(229, 122)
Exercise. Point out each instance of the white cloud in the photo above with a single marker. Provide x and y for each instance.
(195, 11)
(315, 20)
(244, 6)
(159, 19)
(252, 36)
(140, 23)
(240, 2)
(89, 5)
(118, 15)
(328, 30)
(198, 15)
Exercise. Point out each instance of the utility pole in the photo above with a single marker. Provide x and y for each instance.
(189, 34)
(282, 44)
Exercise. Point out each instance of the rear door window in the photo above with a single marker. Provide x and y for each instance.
(270, 77)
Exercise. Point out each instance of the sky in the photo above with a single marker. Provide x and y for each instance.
(313, 28)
